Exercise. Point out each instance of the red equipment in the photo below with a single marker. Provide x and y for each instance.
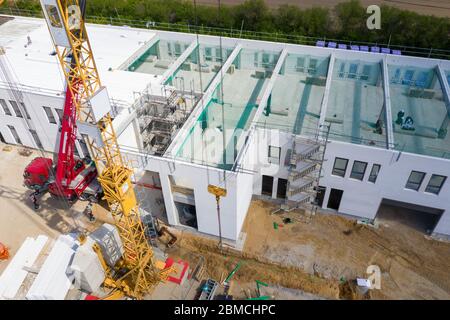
(4, 253)
(73, 175)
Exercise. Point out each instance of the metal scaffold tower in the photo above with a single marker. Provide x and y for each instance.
(305, 161)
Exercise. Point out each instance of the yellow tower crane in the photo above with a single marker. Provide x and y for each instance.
(65, 20)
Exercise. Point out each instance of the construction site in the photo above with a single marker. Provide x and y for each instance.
(157, 165)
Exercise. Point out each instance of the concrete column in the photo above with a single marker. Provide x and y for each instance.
(275, 188)
(171, 211)
(177, 64)
(266, 96)
(387, 106)
(446, 92)
(323, 109)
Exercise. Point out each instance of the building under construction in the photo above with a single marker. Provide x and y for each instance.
(346, 130)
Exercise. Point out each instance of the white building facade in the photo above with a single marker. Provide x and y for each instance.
(246, 102)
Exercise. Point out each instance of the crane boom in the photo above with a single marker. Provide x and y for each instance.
(92, 105)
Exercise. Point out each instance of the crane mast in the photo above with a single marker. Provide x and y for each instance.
(94, 121)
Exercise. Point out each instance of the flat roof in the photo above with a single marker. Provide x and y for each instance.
(34, 66)
(241, 84)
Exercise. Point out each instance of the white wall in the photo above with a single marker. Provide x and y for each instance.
(233, 207)
(46, 131)
(362, 198)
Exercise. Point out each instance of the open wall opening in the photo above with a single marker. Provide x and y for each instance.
(267, 186)
(335, 199)
(149, 194)
(184, 200)
(420, 218)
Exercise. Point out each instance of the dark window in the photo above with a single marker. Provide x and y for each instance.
(340, 166)
(374, 173)
(435, 184)
(16, 109)
(15, 134)
(5, 107)
(60, 113)
(267, 185)
(358, 170)
(274, 154)
(415, 180)
(50, 116)
(36, 139)
(26, 111)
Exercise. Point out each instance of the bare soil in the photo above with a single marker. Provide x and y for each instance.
(413, 266)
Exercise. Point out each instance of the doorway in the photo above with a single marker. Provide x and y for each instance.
(267, 185)
(320, 195)
(420, 218)
(335, 199)
(282, 188)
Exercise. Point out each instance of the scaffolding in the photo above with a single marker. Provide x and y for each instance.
(160, 118)
(305, 161)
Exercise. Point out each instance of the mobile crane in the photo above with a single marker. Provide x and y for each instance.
(72, 177)
(88, 103)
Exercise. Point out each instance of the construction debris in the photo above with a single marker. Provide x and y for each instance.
(25, 152)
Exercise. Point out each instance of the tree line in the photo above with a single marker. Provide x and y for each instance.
(346, 21)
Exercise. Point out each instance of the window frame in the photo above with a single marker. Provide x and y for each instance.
(37, 140)
(363, 173)
(16, 109)
(45, 108)
(5, 107)
(427, 190)
(15, 135)
(334, 167)
(273, 159)
(419, 184)
(371, 173)
(27, 114)
(60, 114)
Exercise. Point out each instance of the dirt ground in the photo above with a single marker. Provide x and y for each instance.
(323, 256)
(439, 8)
(331, 247)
